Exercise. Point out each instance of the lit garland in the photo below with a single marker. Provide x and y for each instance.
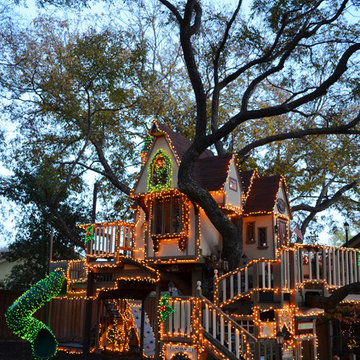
(147, 144)
(180, 356)
(89, 234)
(165, 308)
(159, 172)
(19, 315)
(159, 187)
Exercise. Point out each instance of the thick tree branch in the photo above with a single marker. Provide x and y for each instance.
(341, 129)
(326, 203)
(108, 171)
(216, 91)
(173, 9)
(330, 303)
(281, 109)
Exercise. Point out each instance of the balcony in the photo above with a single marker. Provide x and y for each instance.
(111, 240)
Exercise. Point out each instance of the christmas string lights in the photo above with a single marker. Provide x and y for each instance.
(159, 172)
(19, 315)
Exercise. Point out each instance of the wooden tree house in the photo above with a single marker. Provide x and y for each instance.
(218, 314)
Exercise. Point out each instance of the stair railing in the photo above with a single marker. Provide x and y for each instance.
(257, 275)
(198, 321)
(221, 328)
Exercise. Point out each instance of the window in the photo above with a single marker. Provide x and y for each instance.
(283, 236)
(167, 216)
(232, 184)
(262, 237)
(250, 232)
(159, 172)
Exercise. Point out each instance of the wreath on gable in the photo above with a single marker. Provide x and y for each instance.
(159, 172)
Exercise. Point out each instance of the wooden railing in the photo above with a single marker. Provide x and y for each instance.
(111, 239)
(77, 270)
(179, 323)
(218, 327)
(199, 321)
(255, 276)
(332, 266)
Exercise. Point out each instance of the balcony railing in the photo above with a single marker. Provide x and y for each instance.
(111, 240)
(332, 266)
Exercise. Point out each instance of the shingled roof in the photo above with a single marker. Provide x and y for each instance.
(211, 172)
(246, 177)
(263, 194)
(180, 143)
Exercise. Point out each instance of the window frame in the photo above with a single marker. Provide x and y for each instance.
(262, 244)
(182, 234)
(249, 239)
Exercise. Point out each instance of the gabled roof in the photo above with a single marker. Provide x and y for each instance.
(263, 194)
(211, 172)
(247, 178)
(178, 142)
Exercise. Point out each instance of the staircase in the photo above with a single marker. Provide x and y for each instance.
(198, 322)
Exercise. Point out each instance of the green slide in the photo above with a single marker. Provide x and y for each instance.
(20, 320)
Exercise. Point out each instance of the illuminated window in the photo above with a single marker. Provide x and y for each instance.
(262, 237)
(167, 216)
(159, 172)
(250, 232)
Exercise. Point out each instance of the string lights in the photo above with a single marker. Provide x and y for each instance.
(20, 320)
(170, 231)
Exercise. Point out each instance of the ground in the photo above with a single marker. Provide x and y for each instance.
(21, 351)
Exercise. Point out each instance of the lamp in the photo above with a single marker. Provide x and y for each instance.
(244, 259)
(346, 227)
(280, 337)
(171, 287)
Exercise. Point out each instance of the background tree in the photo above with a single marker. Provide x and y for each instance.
(32, 191)
(258, 80)
(282, 50)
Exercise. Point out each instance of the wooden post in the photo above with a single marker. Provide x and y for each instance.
(142, 328)
(157, 330)
(88, 313)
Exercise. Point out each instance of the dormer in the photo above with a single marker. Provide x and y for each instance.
(170, 226)
(266, 217)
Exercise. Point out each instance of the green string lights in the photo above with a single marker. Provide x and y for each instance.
(89, 234)
(165, 308)
(147, 144)
(160, 172)
(20, 320)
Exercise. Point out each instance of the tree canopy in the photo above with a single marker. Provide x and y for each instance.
(276, 82)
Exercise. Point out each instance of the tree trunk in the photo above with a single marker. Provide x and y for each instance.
(231, 234)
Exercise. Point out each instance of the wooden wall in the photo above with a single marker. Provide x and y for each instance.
(66, 318)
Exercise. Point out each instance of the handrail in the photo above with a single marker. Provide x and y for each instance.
(255, 276)
(197, 320)
(228, 318)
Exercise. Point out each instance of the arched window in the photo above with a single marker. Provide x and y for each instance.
(180, 356)
(159, 172)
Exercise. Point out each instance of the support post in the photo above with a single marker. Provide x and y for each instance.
(142, 328)
(157, 330)
(88, 313)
